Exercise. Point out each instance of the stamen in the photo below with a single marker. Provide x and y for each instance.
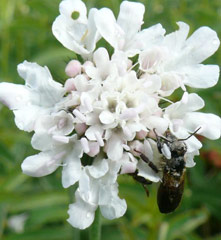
(62, 139)
(87, 102)
(126, 147)
(99, 139)
(79, 115)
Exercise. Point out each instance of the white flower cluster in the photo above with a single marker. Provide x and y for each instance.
(109, 105)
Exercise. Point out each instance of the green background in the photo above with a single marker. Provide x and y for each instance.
(25, 34)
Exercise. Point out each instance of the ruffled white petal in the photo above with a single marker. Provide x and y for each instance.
(42, 164)
(200, 76)
(99, 168)
(111, 205)
(210, 124)
(81, 213)
(200, 45)
(42, 141)
(61, 29)
(45, 91)
(192, 103)
(145, 171)
(146, 39)
(106, 117)
(114, 147)
(176, 39)
(26, 117)
(14, 96)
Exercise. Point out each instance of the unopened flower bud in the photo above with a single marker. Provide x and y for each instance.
(73, 68)
(80, 128)
(141, 134)
(69, 85)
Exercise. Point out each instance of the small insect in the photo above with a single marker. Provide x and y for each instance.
(173, 163)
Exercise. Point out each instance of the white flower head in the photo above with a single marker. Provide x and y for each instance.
(103, 121)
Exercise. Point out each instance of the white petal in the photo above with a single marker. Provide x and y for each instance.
(61, 29)
(114, 147)
(200, 76)
(170, 82)
(42, 164)
(108, 28)
(201, 44)
(189, 159)
(146, 39)
(130, 18)
(101, 57)
(42, 141)
(93, 36)
(91, 132)
(148, 151)
(106, 117)
(129, 163)
(159, 123)
(210, 124)
(176, 39)
(152, 83)
(72, 167)
(99, 168)
(193, 144)
(26, 118)
(111, 205)
(81, 213)
(39, 80)
(145, 171)
(151, 59)
(179, 109)
(14, 96)
(115, 209)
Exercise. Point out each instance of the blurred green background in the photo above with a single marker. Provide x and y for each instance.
(25, 33)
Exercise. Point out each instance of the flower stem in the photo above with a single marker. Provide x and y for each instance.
(95, 229)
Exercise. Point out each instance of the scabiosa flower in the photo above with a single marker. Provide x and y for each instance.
(105, 115)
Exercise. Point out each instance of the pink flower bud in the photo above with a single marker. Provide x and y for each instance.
(80, 128)
(94, 149)
(69, 85)
(73, 68)
(141, 134)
